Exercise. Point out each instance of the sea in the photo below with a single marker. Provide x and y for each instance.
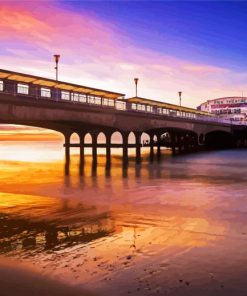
(177, 226)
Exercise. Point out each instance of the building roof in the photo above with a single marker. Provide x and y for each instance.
(164, 105)
(223, 98)
(46, 82)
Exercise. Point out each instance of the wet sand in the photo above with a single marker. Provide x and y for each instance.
(172, 228)
(22, 282)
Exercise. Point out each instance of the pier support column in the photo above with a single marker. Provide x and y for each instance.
(179, 143)
(125, 149)
(173, 143)
(151, 155)
(191, 143)
(201, 140)
(108, 150)
(195, 143)
(158, 147)
(94, 149)
(82, 154)
(67, 153)
(186, 143)
(138, 147)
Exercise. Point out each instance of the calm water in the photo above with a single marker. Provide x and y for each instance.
(172, 228)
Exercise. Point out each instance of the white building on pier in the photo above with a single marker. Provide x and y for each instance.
(233, 108)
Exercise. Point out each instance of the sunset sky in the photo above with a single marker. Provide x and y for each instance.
(196, 47)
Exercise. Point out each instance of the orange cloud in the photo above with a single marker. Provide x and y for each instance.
(21, 133)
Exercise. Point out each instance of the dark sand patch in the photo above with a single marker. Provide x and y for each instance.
(18, 281)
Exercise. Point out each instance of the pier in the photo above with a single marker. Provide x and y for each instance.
(69, 108)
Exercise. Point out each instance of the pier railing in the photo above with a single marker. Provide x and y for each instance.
(39, 92)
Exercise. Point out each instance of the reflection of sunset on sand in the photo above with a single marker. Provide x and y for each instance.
(159, 224)
(133, 236)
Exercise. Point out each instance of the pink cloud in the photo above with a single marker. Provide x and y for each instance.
(53, 28)
(202, 69)
(20, 23)
(97, 53)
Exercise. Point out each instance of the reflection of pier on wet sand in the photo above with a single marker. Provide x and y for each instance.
(27, 234)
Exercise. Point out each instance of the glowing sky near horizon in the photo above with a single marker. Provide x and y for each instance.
(198, 48)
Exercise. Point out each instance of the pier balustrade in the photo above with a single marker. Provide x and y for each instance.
(39, 92)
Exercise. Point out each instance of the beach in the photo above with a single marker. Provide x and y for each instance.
(177, 227)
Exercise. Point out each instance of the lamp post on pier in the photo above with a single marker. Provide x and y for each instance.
(56, 58)
(180, 97)
(136, 82)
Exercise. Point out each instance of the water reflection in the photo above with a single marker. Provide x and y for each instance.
(26, 234)
(177, 227)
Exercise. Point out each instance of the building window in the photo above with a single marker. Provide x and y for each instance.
(65, 95)
(22, 89)
(108, 102)
(91, 100)
(120, 105)
(1, 85)
(97, 101)
(111, 102)
(139, 107)
(45, 92)
(149, 108)
(83, 98)
(172, 113)
(133, 106)
(74, 97)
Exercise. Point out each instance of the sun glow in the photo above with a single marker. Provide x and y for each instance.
(23, 133)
